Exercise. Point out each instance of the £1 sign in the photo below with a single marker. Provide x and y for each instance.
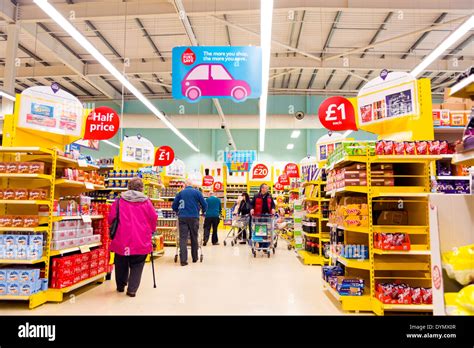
(260, 171)
(337, 114)
(164, 156)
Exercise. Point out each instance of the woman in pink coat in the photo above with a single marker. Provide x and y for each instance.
(132, 241)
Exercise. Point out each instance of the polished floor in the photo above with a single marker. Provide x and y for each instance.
(229, 281)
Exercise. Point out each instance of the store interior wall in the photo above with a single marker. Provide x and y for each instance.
(213, 142)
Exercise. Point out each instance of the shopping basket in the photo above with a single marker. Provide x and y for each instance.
(239, 224)
(263, 235)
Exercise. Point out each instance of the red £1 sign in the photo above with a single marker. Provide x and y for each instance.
(260, 171)
(102, 123)
(218, 186)
(207, 180)
(337, 114)
(164, 156)
(284, 179)
(291, 169)
(278, 186)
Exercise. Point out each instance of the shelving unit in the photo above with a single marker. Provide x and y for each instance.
(407, 266)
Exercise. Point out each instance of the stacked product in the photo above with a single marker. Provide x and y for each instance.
(21, 221)
(82, 176)
(162, 205)
(101, 227)
(21, 281)
(353, 175)
(23, 194)
(166, 214)
(349, 212)
(445, 184)
(351, 148)
(392, 241)
(169, 191)
(16, 246)
(412, 148)
(22, 168)
(72, 233)
(344, 285)
(169, 235)
(399, 293)
(123, 174)
(69, 270)
(74, 206)
(105, 162)
(166, 223)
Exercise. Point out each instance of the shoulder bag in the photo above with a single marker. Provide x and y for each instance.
(114, 225)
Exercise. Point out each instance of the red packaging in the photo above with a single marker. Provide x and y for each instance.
(63, 262)
(77, 278)
(427, 295)
(101, 261)
(410, 148)
(94, 255)
(404, 294)
(86, 257)
(443, 147)
(84, 266)
(388, 147)
(421, 147)
(399, 148)
(416, 297)
(94, 263)
(60, 273)
(379, 148)
(101, 252)
(77, 269)
(85, 275)
(101, 269)
(93, 272)
(78, 260)
(434, 147)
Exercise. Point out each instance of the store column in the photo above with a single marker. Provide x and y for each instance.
(13, 31)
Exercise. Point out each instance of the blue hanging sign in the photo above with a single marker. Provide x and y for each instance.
(233, 72)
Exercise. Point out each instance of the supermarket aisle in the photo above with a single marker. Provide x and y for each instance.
(229, 281)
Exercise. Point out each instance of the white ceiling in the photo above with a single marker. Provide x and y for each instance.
(317, 29)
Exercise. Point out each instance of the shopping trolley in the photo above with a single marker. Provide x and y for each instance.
(239, 224)
(263, 238)
(200, 240)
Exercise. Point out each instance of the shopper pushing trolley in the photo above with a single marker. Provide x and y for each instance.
(263, 222)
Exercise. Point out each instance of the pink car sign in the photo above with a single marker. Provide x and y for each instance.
(216, 72)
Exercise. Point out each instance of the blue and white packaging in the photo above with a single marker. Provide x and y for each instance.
(21, 252)
(3, 249)
(38, 285)
(13, 275)
(21, 240)
(10, 252)
(44, 284)
(13, 288)
(27, 276)
(3, 275)
(9, 239)
(3, 288)
(26, 289)
(34, 252)
(2, 239)
(36, 239)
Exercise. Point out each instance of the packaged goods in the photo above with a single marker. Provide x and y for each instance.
(36, 167)
(11, 168)
(356, 221)
(383, 182)
(30, 221)
(21, 194)
(8, 193)
(392, 241)
(421, 147)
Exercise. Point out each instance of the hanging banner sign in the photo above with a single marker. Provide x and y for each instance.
(232, 72)
(164, 156)
(44, 110)
(207, 181)
(218, 186)
(137, 149)
(240, 160)
(102, 123)
(337, 114)
(284, 180)
(260, 171)
(292, 170)
(278, 187)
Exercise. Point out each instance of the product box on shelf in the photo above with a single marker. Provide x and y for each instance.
(3, 288)
(392, 241)
(356, 221)
(13, 288)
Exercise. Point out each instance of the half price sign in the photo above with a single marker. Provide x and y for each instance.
(102, 123)
(291, 169)
(337, 114)
(164, 156)
(284, 179)
(207, 181)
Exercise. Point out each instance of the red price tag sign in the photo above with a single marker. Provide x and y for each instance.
(102, 123)
(188, 57)
(218, 186)
(164, 156)
(260, 171)
(292, 170)
(337, 114)
(278, 186)
(284, 179)
(207, 180)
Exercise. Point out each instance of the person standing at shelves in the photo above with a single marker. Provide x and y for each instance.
(187, 205)
(133, 239)
(213, 213)
(262, 204)
(242, 208)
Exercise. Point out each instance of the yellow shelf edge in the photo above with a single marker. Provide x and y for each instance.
(25, 176)
(73, 249)
(24, 201)
(22, 262)
(25, 229)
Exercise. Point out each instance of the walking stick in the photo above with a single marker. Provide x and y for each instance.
(153, 269)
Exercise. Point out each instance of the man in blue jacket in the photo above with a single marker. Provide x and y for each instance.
(187, 205)
(213, 213)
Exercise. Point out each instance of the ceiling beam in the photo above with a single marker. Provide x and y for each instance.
(328, 81)
(8, 11)
(362, 82)
(331, 33)
(311, 80)
(459, 47)
(424, 35)
(348, 77)
(377, 33)
(66, 57)
(107, 11)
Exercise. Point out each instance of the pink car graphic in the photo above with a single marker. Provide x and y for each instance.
(213, 80)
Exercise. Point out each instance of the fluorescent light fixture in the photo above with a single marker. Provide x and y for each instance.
(76, 35)
(290, 146)
(448, 42)
(7, 95)
(295, 134)
(266, 16)
(111, 144)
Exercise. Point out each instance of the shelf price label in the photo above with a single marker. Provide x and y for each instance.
(89, 186)
(164, 156)
(86, 218)
(260, 171)
(292, 170)
(284, 180)
(207, 180)
(218, 186)
(102, 123)
(337, 114)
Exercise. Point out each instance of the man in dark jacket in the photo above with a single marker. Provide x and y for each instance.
(187, 205)
(263, 203)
